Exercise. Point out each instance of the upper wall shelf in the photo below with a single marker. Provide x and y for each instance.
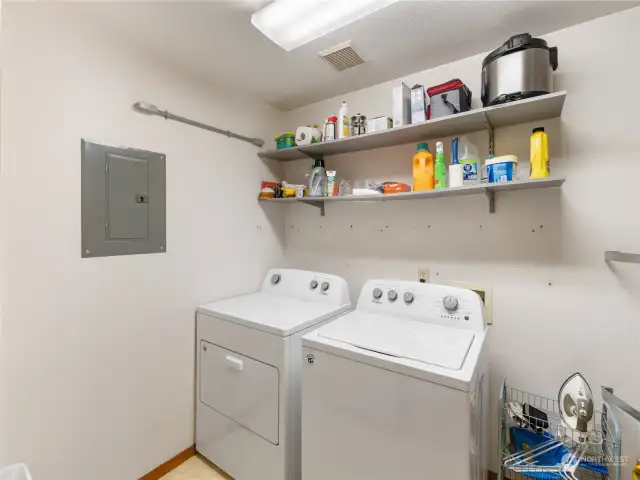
(522, 111)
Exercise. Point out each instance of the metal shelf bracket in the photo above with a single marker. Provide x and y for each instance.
(489, 127)
(315, 203)
(612, 256)
(611, 399)
(492, 200)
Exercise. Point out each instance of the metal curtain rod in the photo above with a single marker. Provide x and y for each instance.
(151, 109)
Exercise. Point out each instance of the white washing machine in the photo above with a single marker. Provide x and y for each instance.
(248, 372)
(397, 388)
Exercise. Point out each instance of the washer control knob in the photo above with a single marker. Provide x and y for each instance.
(275, 278)
(377, 293)
(392, 295)
(313, 284)
(450, 303)
(324, 286)
(408, 297)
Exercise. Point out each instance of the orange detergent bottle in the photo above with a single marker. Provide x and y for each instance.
(423, 168)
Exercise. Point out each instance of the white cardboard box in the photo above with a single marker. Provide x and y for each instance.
(418, 104)
(401, 105)
(379, 124)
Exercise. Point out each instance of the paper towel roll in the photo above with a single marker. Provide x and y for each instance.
(305, 135)
(456, 175)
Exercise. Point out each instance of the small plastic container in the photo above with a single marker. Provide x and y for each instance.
(501, 169)
(286, 140)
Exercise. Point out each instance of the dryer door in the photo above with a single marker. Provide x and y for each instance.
(240, 388)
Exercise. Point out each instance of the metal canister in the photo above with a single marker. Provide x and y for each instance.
(358, 125)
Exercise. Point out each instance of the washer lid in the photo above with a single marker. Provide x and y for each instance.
(272, 313)
(399, 337)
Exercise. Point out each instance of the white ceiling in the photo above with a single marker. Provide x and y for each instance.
(215, 40)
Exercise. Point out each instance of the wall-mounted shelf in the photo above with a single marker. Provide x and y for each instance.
(488, 189)
(528, 110)
(611, 256)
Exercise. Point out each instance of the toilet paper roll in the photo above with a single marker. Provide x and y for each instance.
(456, 175)
(305, 135)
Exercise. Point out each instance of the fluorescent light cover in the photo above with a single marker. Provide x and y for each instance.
(292, 23)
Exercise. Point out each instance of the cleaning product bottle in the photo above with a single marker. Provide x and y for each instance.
(456, 172)
(469, 160)
(539, 154)
(318, 180)
(440, 173)
(343, 121)
(423, 168)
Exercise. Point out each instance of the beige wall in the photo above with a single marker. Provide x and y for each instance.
(98, 354)
(558, 308)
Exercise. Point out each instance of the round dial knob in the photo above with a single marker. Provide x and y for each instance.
(313, 284)
(324, 286)
(408, 297)
(275, 278)
(392, 295)
(377, 293)
(450, 303)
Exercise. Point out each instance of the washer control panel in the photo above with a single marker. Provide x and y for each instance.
(426, 302)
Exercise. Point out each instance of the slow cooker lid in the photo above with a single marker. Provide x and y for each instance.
(521, 41)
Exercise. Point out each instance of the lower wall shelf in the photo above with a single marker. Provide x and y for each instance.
(488, 189)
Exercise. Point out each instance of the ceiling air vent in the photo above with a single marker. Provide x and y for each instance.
(342, 56)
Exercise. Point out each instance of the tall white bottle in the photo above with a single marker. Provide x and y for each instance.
(343, 121)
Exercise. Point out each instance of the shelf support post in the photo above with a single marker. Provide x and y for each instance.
(492, 201)
(489, 127)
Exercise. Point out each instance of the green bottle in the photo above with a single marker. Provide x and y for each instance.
(440, 171)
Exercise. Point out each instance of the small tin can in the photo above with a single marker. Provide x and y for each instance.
(358, 125)
(330, 128)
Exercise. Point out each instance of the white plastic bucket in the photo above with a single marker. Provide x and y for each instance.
(501, 169)
(17, 471)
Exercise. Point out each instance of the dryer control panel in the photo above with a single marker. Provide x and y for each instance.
(307, 285)
(424, 302)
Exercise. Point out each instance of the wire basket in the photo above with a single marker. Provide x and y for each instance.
(602, 443)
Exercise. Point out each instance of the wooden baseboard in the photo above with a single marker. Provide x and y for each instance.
(170, 464)
(159, 472)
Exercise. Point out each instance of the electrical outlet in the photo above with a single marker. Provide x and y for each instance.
(486, 295)
(423, 275)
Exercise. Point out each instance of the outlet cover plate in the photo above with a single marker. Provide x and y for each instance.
(423, 275)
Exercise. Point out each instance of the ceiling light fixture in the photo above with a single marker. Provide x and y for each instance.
(292, 23)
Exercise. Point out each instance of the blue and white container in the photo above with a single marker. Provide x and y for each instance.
(501, 169)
